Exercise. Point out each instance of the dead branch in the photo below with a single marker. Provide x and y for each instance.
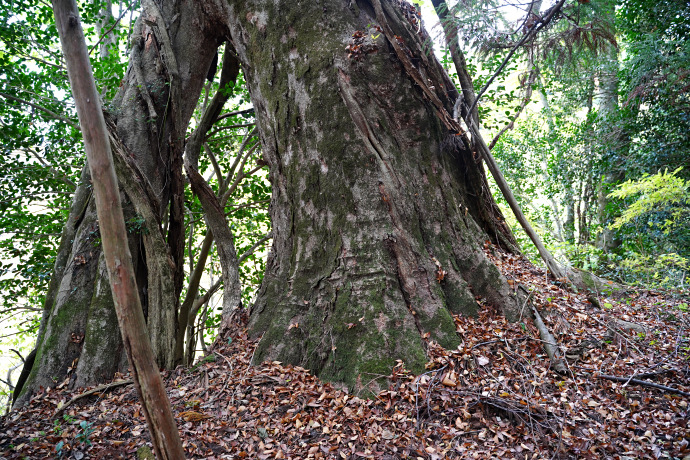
(550, 345)
(235, 112)
(643, 383)
(98, 389)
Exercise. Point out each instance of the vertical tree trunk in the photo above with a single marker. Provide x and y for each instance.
(569, 225)
(375, 203)
(78, 334)
(612, 142)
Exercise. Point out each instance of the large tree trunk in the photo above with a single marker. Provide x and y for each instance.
(378, 211)
(78, 333)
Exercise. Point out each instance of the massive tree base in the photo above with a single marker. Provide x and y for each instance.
(379, 212)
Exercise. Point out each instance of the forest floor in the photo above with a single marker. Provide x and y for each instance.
(494, 397)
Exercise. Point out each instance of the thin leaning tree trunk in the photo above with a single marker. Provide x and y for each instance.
(574, 277)
(449, 31)
(164, 434)
(556, 270)
(212, 205)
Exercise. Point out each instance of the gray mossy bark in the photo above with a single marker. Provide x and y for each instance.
(78, 333)
(379, 213)
(375, 205)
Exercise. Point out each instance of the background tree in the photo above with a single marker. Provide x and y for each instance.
(88, 342)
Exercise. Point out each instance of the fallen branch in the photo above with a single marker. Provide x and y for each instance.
(651, 375)
(98, 389)
(615, 324)
(627, 380)
(550, 345)
(557, 271)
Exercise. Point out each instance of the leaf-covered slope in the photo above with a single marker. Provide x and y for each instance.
(493, 397)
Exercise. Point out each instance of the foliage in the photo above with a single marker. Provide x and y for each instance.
(247, 206)
(86, 431)
(658, 270)
(663, 191)
(39, 163)
(657, 223)
(654, 79)
(548, 164)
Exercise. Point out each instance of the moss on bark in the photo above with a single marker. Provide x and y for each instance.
(78, 315)
(377, 212)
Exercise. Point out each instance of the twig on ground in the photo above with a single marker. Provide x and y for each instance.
(628, 380)
(98, 389)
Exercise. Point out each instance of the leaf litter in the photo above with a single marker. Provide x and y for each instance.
(495, 396)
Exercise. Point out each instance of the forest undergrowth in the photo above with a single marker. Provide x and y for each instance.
(625, 397)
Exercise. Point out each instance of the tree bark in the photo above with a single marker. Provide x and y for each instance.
(377, 210)
(77, 336)
(154, 401)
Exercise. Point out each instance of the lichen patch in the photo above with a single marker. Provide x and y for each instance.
(381, 321)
